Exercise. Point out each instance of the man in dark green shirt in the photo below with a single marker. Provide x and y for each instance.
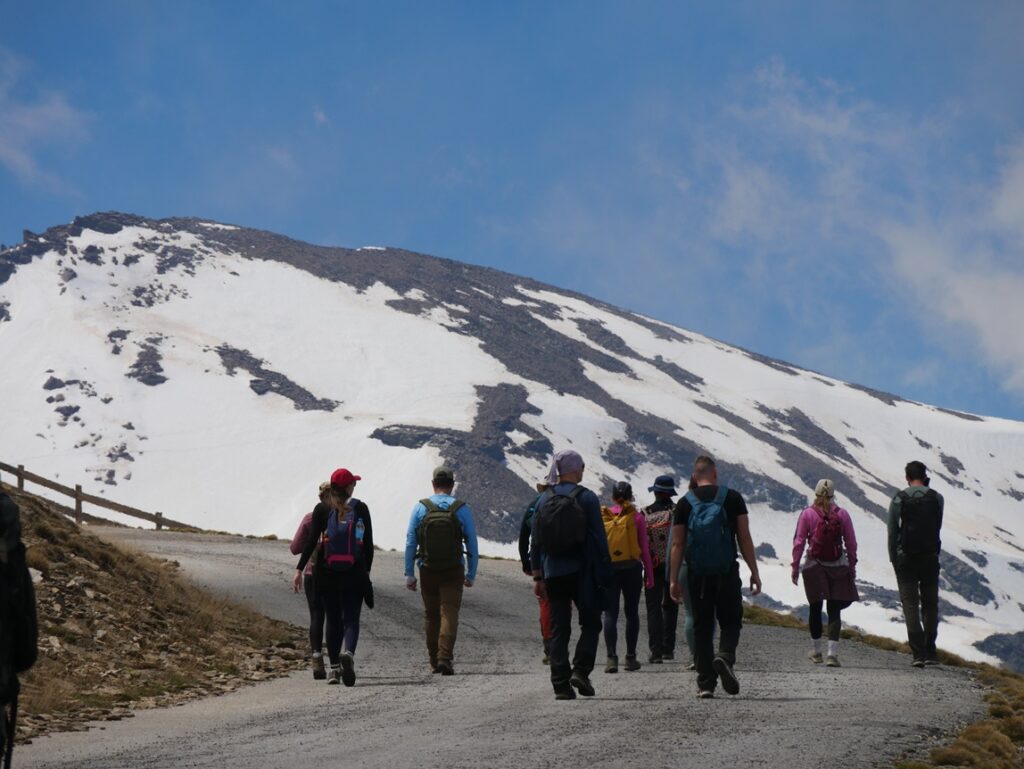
(915, 523)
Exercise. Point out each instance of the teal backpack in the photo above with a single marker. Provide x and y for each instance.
(710, 543)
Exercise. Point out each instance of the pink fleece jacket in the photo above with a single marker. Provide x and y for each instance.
(299, 540)
(641, 535)
(805, 527)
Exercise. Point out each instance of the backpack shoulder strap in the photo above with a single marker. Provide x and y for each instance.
(723, 492)
(575, 493)
(692, 498)
(429, 504)
(904, 496)
(455, 506)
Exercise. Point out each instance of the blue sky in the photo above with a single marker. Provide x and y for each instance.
(840, 185)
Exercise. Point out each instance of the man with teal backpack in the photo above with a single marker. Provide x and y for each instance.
(439, 527)
(708, 524)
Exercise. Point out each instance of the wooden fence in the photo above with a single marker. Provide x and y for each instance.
(81, 498)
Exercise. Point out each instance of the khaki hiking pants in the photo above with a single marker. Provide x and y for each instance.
(442, 599)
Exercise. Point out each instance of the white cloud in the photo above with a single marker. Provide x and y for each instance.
(30, 125)
(319, 116)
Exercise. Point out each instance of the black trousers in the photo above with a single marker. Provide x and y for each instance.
(715, 598)
(835, 621)
(917, 577)
(561, 593)
(662, 616)
(316, 615)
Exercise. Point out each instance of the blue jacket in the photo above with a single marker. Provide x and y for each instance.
(465, 516)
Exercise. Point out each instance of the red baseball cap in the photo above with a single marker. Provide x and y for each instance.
(342, 477)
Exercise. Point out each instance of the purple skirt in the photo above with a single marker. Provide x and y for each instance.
(829, 583)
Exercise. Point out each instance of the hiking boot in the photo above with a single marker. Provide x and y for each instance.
(319, 671)
(918, 663)
(612, 665)
(581, 683)
(632, 663)
(729, 681)
(444, 667)
(832, 662)
(706, 694)
(564, 693)
(348, 669)
(668, 656)
(815, 657)
(932, 661)
(335, 677)
(655, 659)
(546, 660)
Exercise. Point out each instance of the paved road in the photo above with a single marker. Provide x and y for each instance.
(498, 711)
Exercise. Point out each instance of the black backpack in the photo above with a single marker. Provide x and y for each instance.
(19, 631)
(920, 521)
(560, 524)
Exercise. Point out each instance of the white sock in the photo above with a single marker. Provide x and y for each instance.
(318, 655)
(816, 645)
(833, 648)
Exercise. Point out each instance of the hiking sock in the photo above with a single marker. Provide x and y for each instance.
(815, 653)
(335, 677)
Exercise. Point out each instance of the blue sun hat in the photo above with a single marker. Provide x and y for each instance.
(664, 484)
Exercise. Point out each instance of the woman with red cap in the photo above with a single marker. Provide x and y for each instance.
(341, 527)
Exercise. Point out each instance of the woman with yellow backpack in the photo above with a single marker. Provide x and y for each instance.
(626, 529)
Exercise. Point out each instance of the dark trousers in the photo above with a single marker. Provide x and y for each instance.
(628, 585)
(917, 577)
(715, 597)
(662, 616)
(316, 615)
(342, 603)
(835, 622)
(561, 594)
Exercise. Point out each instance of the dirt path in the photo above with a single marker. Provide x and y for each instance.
(498, 711)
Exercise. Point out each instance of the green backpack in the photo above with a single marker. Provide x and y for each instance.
(440, 536)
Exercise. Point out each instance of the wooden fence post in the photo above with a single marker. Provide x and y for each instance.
(21, 477)
(159, 521)
(78, 503)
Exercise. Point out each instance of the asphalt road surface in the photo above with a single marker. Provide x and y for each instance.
(498, 711)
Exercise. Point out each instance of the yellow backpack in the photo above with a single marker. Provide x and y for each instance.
(623, 542)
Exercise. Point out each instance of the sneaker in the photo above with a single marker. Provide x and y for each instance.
(729, 681)
(655, 659)
(632, 663)
(444, 667)
(612, 665)
(335, 677)
(348, 669)
(581, 683)
(832, 661)
(918, 663)
(565, 693)
(706, 694)
(692, 665)
(546, 660)
(815, 657)
(932, 661)
(667, 656)
(319, 671)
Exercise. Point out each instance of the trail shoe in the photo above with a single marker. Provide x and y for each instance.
(729, 681)
(612, 665)
(918, 663)
(668, 656)
(932, 661)
(632, 663)
(815, 657)
(444, 667)
(692, 665)
(832, 662)
(706, 694)
(434, 668)
(348, 669)
(655, 659)
(581, 683)
(335, 677)
(319, 671)
(565, 693)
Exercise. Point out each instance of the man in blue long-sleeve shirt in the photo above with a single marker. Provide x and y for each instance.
(438, 528)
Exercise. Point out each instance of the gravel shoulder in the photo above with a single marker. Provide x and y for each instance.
(498, 711)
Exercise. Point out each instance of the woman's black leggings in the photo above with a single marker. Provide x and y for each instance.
(629, 583)
(342, 606)
(316, 615)
(835, 622)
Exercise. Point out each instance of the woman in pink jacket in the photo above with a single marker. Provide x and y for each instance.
(316, 609)
(626, 529)
(829, 569)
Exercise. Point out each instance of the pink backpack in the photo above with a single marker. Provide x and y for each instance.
(826, 538)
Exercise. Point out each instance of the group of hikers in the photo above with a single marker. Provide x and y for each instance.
(599, 559)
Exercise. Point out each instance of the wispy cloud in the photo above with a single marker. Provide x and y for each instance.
(31, 124)
(319, 116)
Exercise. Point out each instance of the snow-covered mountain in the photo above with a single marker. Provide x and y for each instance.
(218, 374)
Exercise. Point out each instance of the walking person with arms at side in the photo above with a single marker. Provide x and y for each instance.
(569, 555)
(915, 525)
(438, 528)
(829, 571)
(626, 530)
(524, 556)
(710, 523)
(316, 609)
(662, 611)
(341, 528)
